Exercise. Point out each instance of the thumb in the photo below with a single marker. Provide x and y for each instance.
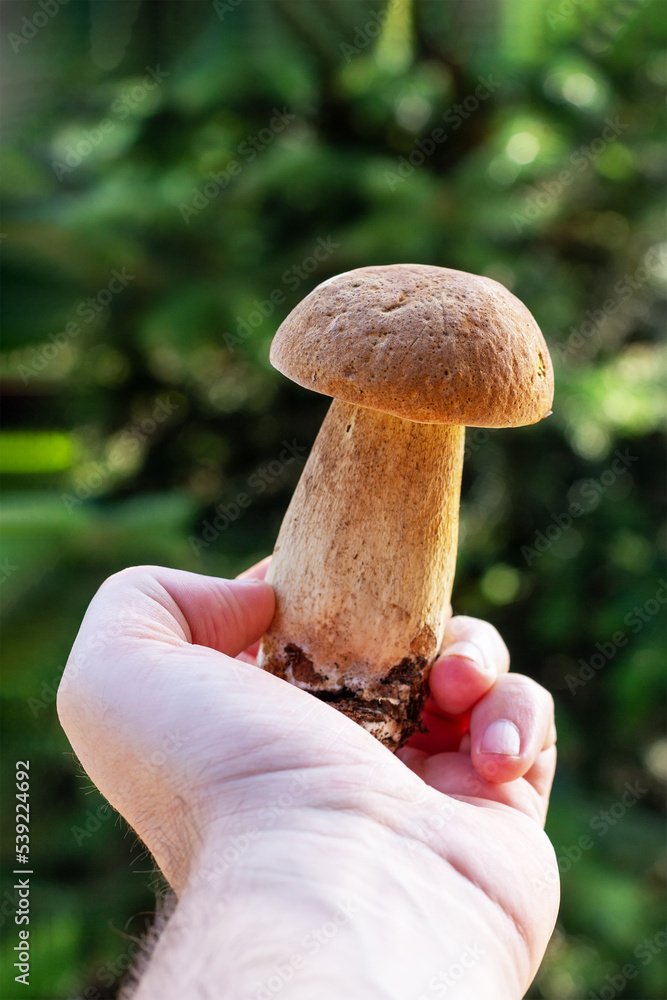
(153, 604)
(227, 615)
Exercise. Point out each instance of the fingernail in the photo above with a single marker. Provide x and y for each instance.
(502, 737)
(467, 650)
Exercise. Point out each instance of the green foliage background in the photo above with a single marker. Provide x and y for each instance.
(94, 481)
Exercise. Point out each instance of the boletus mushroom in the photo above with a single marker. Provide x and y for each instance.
(364, 562)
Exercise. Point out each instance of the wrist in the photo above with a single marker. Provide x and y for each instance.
(336, 905)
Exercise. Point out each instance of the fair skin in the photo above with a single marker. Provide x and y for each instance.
(307, 859)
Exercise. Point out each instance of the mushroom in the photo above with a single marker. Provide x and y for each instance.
(364, 562)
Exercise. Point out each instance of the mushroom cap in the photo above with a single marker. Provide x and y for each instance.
(425, 343)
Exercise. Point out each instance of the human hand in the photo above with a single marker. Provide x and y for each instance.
(249, 790)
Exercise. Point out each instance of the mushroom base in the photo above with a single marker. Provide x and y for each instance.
(389, 709)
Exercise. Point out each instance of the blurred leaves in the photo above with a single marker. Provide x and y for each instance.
(520, 141)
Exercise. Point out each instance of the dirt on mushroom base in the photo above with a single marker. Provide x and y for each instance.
(390, 710)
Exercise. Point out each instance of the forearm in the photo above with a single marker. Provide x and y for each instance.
(301, 910)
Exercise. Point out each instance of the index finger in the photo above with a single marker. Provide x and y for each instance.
(473, 656)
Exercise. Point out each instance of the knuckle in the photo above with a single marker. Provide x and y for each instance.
(483, 634)
(131, 576)
(533, 693)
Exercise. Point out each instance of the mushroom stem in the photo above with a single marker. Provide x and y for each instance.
(364, 564)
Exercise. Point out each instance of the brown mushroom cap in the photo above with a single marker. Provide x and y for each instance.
(425, 343)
